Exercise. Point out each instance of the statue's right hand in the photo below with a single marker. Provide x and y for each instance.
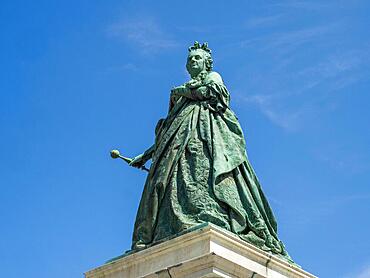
(138, 161)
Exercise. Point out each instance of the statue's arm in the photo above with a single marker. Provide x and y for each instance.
(141, 159)
(149, 152)
(198, 90)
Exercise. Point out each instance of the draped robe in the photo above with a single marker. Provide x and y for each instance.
(200, 173)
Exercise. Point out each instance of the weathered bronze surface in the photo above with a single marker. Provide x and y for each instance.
(200, 171)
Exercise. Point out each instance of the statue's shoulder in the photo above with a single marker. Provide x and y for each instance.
(214, 77)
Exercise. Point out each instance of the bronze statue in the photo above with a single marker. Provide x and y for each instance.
(200, 171)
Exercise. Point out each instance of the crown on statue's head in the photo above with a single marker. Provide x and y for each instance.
(203, 47)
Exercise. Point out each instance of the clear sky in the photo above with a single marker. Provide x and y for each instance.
(79, 78)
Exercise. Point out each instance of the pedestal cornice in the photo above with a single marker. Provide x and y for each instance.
(205, 252)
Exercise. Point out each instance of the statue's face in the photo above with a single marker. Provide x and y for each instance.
(196, 62)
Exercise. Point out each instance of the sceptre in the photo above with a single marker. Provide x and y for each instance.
(115, 154)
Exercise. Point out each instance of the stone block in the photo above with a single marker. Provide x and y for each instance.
(205, 252)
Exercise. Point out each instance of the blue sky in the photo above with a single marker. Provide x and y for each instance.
(79, 78)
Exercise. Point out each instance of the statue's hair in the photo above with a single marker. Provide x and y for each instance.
(207, 53)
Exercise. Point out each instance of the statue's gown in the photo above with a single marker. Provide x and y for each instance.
(200, 173)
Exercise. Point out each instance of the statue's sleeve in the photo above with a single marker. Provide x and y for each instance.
(159, 126)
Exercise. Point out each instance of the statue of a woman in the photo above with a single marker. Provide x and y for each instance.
(200, 171)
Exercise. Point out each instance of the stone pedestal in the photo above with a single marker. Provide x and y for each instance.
(205, 252)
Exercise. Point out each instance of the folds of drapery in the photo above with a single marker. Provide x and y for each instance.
(250, 214)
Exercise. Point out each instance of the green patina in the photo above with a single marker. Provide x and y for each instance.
(200, 171)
